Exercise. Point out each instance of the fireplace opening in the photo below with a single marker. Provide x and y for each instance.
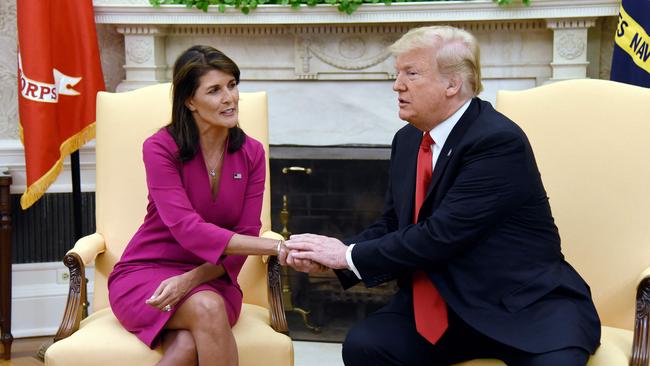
(335, 192)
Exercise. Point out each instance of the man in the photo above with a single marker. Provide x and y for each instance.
(467, 231)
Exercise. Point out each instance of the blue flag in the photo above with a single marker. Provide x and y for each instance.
(631, 59)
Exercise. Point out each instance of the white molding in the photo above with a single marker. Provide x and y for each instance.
(120, 12)
(39, 296)
(12, 158)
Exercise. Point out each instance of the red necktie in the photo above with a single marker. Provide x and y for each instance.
(429, 307)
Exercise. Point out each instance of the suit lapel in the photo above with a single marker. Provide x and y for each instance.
(410, 161)
(451, 143)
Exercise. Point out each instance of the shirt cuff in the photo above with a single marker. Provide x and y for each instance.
(348, 258)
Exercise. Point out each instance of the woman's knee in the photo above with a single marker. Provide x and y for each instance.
(202, 310)
(208, 309)
(210, 303)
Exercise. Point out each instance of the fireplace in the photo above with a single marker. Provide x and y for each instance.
(335, 192)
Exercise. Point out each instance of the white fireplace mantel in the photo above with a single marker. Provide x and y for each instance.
(140, 12)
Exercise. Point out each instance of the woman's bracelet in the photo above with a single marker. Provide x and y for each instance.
(278, 247)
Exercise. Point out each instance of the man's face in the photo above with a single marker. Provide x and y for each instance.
(422, 91)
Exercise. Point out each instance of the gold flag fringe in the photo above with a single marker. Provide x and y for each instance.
(72, 144)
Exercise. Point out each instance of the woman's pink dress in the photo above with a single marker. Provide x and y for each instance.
(184, 228)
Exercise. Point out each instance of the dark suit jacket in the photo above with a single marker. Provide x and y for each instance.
(485, 236)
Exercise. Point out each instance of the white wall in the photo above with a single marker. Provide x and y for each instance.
(39, 295)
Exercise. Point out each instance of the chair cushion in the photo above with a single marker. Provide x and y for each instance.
(105, 342)
(615, 350)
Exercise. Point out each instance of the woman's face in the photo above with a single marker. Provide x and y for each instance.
(216, 101)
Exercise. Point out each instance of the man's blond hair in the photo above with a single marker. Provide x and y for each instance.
(457, 52)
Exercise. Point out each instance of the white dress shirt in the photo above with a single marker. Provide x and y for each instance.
(439, 135)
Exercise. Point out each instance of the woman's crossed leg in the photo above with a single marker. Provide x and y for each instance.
(199, 330)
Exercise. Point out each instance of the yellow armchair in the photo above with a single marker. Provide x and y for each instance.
(124, 121)
(591, 142)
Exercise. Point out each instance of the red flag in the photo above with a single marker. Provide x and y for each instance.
(59, 75)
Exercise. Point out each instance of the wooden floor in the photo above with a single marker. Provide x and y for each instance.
(23, 352)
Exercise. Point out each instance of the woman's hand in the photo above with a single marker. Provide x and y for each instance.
(170, 292)
(304, 265)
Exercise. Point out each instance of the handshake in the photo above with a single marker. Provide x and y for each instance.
(313, 253)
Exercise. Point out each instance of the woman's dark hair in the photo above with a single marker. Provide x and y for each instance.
(195, 62)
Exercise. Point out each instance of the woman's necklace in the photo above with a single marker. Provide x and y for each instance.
(213, 171)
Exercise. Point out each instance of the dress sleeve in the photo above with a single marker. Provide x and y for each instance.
(249, 222)
(168, 194)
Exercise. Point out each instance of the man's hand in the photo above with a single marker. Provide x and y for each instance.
(286, 257)
(327, 251)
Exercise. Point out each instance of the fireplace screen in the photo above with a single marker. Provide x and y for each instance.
(337, 198)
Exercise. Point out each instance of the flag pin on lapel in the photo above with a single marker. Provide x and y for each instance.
(237, 176)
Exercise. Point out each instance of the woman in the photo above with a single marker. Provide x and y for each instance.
(176, 282)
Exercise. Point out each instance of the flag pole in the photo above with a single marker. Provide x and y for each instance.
(76, 194)
(75, 170)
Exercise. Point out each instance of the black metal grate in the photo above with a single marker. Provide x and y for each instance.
(45, 231)
(339, 198)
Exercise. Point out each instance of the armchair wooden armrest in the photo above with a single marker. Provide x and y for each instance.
(640, 349)
(278, 317)
(83, 253)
